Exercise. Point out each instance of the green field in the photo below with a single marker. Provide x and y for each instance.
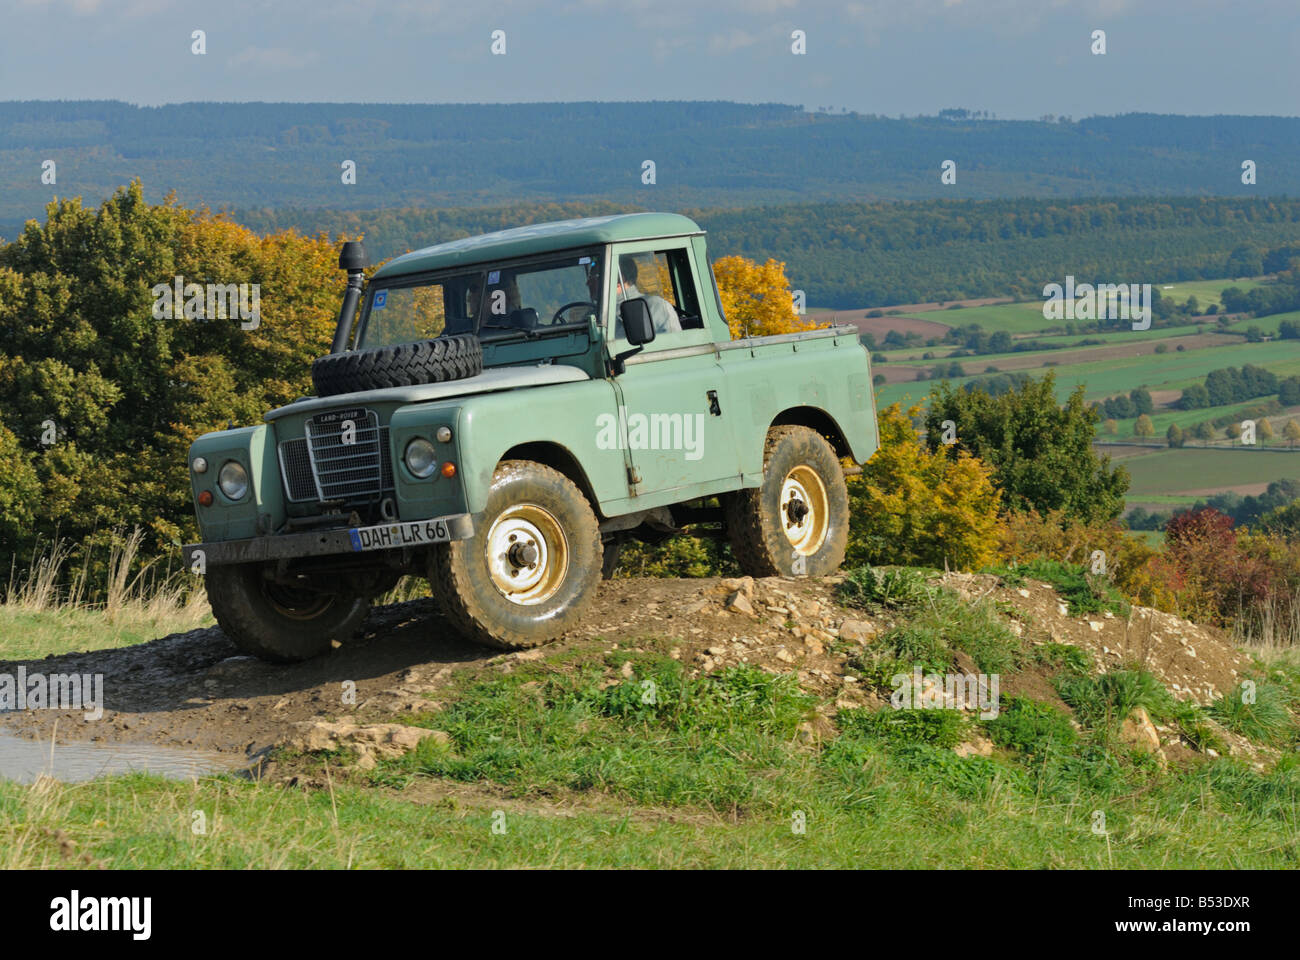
(1163, 371)
(1027, 317)
(1011, 317)
(1166, 471)
(1267, 324)
(1066, 341)
(1205, 291)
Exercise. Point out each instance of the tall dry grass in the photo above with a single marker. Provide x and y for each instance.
(134, 590)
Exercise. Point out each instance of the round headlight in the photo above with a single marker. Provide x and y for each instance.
(421, 458)
(233, 480)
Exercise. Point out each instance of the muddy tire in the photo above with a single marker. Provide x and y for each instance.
(531, 568)
(797, 522)
(440, 360)
(277, 623)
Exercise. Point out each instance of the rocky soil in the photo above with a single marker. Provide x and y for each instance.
(194, 690)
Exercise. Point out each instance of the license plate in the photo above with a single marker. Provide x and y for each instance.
(388, 536)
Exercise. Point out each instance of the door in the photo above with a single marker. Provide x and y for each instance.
(674, 411)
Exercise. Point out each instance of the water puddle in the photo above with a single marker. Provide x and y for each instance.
(25, 760)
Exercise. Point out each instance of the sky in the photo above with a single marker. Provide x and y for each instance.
(1016, 58)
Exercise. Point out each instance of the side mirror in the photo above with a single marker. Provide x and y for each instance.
(637, 325)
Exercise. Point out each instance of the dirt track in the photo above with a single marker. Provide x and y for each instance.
(194, 690)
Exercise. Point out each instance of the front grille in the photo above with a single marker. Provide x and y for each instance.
(295, 467)
(323, 467)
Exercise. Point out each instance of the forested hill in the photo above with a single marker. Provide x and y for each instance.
(705, 153)
(875, 254)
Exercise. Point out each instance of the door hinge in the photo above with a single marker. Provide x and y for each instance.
(633, 475)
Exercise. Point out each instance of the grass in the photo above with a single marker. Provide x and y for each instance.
(47, 610)
(1257, 711)
(549, 769)
(1115, 375)
(1167, 471)
(1083, 592)
(940, 622)
(554, 765)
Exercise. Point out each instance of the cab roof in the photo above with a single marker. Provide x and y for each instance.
(540, 238)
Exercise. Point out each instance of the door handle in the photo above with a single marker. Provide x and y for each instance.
(714, 407)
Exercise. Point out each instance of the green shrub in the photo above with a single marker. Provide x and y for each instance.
(1084, 592)
(970, 778)
(1031, 726)
(1104, 701)
(1067, 656)
(899, 588)
(1266, 720)
(940, 728)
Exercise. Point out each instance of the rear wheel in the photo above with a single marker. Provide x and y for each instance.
(797, 522)
(275, 622)
(531, 568)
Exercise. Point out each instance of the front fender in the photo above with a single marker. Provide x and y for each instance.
(261, 510)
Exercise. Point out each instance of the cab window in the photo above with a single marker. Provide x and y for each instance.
(663, 279)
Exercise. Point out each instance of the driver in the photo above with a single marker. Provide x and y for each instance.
(662, 313)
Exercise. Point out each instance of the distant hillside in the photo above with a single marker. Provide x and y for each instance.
(706, 153)
(873, 254)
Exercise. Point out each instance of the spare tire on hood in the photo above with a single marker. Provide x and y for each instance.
(453, 357)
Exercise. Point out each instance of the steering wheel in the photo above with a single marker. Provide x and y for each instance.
(556, 319)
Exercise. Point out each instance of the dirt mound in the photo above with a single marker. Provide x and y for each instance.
(193, 689)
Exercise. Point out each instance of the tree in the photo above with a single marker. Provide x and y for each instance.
(1203, 431)
(1292, 432)
(1142, 402)
(1111, 426)
(1195, 397)
(127, 392)
(1143, 427)
(916, 505)
(1264, 429)
(1040, 451)
(756, 298)
(1174, 435)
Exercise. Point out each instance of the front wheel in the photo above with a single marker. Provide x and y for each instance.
(279, 623)
(530, 569)
(797, 522)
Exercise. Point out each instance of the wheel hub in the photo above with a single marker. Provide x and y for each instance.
(527, 554)
(804, 510)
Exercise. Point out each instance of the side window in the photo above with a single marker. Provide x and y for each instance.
(663, 278)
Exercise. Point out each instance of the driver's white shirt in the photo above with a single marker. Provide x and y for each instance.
(662, 314)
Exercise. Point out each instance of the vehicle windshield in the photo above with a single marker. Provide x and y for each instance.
(537, 295)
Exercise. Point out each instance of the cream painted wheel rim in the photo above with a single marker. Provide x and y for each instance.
(804, 510)
(527, 554)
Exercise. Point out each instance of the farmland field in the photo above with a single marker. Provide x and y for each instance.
(1174, 471)
(1165, 371)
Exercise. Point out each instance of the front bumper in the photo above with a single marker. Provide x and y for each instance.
(289, 546)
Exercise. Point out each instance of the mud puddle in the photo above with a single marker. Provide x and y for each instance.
(25, 760)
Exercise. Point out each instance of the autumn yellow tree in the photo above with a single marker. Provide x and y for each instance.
(757, 298)
(914, 506)
(101, 393)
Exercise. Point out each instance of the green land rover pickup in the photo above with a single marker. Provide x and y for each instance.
(499, 414)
